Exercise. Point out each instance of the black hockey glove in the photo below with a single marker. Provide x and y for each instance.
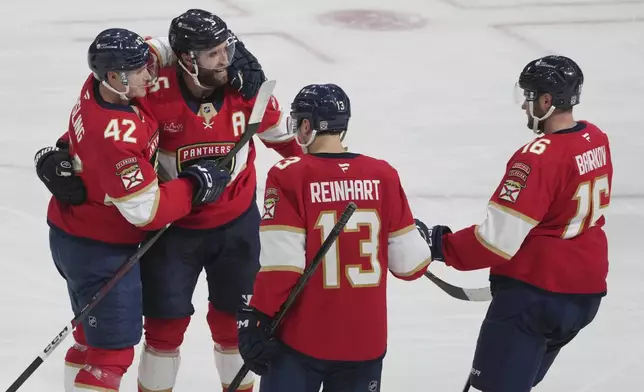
(255, 346)
(209, 181)
(245, 74)
(434, 238)
(55, 169)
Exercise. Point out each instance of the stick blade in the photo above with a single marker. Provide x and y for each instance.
(474, 295)
(261, 101)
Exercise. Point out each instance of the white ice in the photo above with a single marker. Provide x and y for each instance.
(437, 96)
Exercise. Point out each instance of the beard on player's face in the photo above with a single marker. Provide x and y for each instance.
(211, 78)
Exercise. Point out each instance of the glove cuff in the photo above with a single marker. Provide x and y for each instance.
(62, 144)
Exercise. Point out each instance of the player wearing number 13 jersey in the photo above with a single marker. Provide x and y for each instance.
(543, 235)
(336, 332)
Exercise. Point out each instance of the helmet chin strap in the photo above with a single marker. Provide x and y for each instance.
(195, 75)
(121, 94)
(535, 119)
(305, 146)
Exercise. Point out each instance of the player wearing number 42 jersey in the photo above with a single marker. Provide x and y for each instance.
(202, 103)
(113, 140)
(542, 238)
(336, 332)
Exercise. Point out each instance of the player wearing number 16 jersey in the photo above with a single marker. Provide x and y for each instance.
(336, 332)
(543, 236)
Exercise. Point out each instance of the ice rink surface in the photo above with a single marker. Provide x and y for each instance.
(431, 86)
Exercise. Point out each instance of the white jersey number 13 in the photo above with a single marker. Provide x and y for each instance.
(356, 275)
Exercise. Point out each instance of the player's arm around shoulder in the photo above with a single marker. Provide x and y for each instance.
(275, 136)
(282, 237)
(126, 163)
(161, 49)
(407, 252)
(521, 200)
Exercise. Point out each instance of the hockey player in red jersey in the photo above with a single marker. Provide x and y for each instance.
(201, 116)
(336, 332)
(199, 102)
(113, 140)
(542, 238)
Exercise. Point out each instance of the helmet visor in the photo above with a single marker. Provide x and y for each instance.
(217, 58)
(293, 123)
(145, 76)
(521, 95)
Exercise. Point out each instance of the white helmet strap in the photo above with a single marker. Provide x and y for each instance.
(535, 124)
(122, 94)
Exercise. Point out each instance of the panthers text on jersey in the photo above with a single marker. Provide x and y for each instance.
(208, 129)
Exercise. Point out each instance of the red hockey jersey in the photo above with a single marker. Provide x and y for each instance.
(187, 136)
(114, 149)
(544, 222)
(342, 312)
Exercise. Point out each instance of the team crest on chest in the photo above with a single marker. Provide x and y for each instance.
(212, 151)
(207, 111)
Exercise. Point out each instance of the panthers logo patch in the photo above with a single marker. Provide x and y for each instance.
(213, 151)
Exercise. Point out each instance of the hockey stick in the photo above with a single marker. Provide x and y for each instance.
(482, 294)
(263, 96)
(299, 286)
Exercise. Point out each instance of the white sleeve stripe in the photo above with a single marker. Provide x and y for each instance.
(504, 230)
(489, 246)
(141, 207)
(419, 267)
(161, 47)
(282, 250)
(515, 213)
(276, 134)
(408, 253)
